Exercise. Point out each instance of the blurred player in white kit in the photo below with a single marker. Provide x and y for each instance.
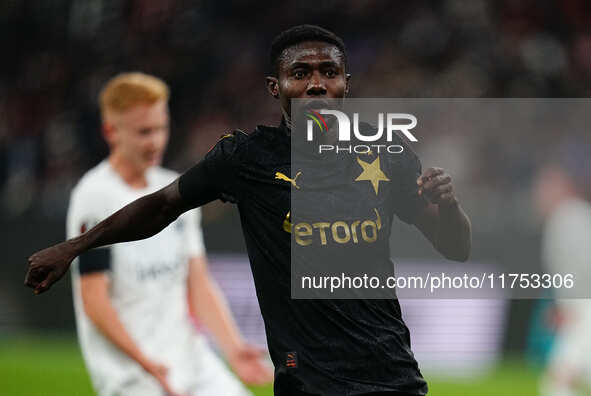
(566, 248)
(133, 301)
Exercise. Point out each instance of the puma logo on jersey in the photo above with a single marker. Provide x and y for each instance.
(281, 176)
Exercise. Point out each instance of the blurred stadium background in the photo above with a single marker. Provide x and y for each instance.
(214, 56)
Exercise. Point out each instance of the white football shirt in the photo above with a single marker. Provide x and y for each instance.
(148, 284)
(566, 249)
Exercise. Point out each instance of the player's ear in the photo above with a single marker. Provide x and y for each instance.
(273, 86)
(108, 132)
(348, 82)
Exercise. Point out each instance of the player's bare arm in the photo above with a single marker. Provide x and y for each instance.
(97, 305)
(140, 219)
(443, 221)
(209, 304)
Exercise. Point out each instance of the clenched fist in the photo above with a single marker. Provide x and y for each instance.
(435, 185)
(48, 266)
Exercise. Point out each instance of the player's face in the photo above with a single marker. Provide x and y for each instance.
(310, 70)
(140, 135)
(550, 188)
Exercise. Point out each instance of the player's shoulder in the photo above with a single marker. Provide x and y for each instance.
(230, 143)
(231, 139)
(164, 175)
(239, 149)
(234, 138)
(94, 181)
(573, 213)
(239, 139)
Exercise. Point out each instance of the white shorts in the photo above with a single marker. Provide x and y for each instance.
(212, 379)
(572, 349)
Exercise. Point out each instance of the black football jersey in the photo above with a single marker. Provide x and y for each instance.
(319, 346)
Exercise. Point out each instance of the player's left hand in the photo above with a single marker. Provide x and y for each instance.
(435, 185)
(247, 363)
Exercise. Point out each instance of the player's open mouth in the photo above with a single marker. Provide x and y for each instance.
(316, 104)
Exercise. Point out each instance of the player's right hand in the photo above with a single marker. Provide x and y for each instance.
(160, 372)
(47, 266)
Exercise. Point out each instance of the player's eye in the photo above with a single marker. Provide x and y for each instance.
(331, 73)
(299, 74)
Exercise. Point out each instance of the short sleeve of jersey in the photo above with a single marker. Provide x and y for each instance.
(407, 201)
(213, 177)
(87, 209)
(192, 233)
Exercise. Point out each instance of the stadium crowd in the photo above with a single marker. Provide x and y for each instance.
(214, 56)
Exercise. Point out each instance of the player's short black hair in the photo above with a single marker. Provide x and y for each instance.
(299, 34)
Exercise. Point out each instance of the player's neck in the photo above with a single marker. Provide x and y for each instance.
(133, 177)
(285, 123)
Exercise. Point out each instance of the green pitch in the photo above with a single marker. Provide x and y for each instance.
(34, 366)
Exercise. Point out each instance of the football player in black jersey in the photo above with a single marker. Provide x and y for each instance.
(318, 347)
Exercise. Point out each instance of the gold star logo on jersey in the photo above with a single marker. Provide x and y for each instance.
(281, 176)
(372, 173)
